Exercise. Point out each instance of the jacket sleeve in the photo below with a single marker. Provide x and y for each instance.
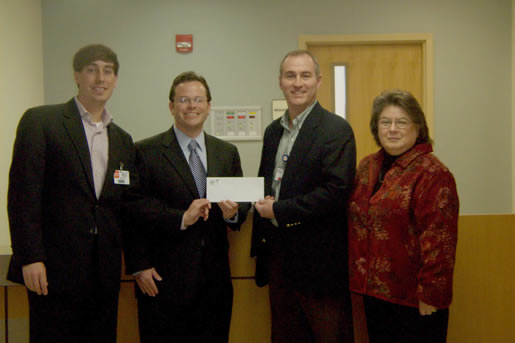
(436, 214)
(143, 212)
(258, 240)
(26, 190)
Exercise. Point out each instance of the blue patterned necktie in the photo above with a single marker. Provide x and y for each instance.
(197, 169)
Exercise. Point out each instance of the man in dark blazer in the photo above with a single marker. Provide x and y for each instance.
(179, 247)
(299, 233)
(71, 165)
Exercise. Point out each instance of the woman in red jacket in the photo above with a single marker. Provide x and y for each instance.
(403, 216)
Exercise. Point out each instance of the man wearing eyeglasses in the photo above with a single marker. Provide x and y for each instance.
(178, 248)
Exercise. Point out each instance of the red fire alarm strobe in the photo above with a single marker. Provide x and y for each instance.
(184, 43)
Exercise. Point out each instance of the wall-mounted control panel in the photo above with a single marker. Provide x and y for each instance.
(235, 122)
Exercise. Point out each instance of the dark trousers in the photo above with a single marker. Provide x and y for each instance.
(88, 314)
(206, 319)
(79, 317)
(299, 318)
(393, 323)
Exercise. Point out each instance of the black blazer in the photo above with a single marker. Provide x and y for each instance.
(52, 204)
(185, 258)
(316, 184)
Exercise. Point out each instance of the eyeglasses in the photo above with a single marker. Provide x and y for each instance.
(400, 124)
(196, 100)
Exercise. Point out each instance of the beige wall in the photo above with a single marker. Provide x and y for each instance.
(21, 83)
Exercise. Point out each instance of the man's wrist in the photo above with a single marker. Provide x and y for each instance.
(233, 219)
(183, 225)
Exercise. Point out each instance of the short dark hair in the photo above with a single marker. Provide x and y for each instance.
(406, 101)
(300, 52)
(94, 52)
(186, 77)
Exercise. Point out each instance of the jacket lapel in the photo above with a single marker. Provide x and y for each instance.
(268, 156)
(303, 142)
(73, 124)
(213, 167)
(174, 155)
(274, 139)
(114, 160)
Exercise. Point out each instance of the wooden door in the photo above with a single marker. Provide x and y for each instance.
(373, 65)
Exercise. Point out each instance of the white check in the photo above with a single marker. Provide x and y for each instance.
(241, 189)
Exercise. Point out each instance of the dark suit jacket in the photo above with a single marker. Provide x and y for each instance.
(310, 211)
(185, 258)
(52, 204)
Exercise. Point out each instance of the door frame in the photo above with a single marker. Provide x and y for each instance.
(425, 39)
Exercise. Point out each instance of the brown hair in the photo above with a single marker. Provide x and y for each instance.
(185, 77)
(94, 52)
(406, 101)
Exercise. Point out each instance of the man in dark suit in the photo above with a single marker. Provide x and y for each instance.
(299, 234)
(71, 165)
(179, 246)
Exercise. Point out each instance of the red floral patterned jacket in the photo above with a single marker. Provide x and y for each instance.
(402, 239)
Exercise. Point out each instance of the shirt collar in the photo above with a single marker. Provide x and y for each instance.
(184, 139)
(409, 156)
(106, 116)
(299, 120)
